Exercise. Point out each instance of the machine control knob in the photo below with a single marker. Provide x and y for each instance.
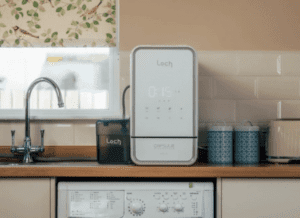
(136, 207)
(163, 207)
(178, 207)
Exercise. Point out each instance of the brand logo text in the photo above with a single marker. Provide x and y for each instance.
(115, 142)
(164, 146)
(165, 64)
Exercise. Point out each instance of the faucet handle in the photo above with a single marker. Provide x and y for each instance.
(13, 137)
(13, 148)
(42, 136)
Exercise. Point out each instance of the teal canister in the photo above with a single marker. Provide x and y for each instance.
(220, 146)
(246, 145)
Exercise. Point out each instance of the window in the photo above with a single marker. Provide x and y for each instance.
(88, 76)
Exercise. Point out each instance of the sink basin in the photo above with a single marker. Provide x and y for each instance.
(51, 163)
(13, 164)
(17, 164)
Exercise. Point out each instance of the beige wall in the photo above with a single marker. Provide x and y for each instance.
(211, 24)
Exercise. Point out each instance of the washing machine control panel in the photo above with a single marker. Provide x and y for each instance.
(94, 203)
(164, 203)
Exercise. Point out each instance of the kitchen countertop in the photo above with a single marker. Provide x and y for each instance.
(93, 169)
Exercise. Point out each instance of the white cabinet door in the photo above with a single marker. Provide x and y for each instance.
(260, 198)
(26, 198)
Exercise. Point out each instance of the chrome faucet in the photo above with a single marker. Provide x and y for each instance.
(27, 148)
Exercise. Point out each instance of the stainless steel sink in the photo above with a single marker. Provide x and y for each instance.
(19, 164)
(51, 164)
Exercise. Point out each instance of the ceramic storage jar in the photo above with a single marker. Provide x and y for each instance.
(246, 145)
(220, 145)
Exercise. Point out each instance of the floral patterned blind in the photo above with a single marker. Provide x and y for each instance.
(58, 23)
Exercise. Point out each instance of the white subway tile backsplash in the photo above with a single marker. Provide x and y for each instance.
(58, 134)
(19, 128)
(279, 109)
(5, 134)
(35, 128)
(258, 63)
(246, 76)
(290, 109)
(20, 132)
(234, 87)
(217, 63)
(290, 62)
(213, 110)
(278, 88)
(256, 110)
(85, 134)
(205, 87)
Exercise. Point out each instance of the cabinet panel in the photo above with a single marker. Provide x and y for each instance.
(263, 198)
(26, 198)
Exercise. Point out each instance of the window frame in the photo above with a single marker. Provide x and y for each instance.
(114, 109)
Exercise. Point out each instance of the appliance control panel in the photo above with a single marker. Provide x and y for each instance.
(163, 92)
(91, 203)
(164, 204)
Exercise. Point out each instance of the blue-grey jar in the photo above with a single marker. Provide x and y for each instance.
(246, 145)
(220, 146)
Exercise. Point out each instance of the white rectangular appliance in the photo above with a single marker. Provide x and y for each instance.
(164, 105)
(283, 140)
(135, 199)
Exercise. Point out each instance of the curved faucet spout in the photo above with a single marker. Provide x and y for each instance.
(32, 85)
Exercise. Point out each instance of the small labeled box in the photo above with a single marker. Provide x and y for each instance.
(113, 141)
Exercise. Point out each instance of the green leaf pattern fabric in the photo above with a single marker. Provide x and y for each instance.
(57, 23)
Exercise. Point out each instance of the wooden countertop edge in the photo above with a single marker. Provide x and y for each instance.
(272, 171)
(94, 170)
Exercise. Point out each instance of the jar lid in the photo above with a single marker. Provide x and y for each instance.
(243, 128)
(221, 128)
(246, 128)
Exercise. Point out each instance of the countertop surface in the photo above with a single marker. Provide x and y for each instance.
(94, 169)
